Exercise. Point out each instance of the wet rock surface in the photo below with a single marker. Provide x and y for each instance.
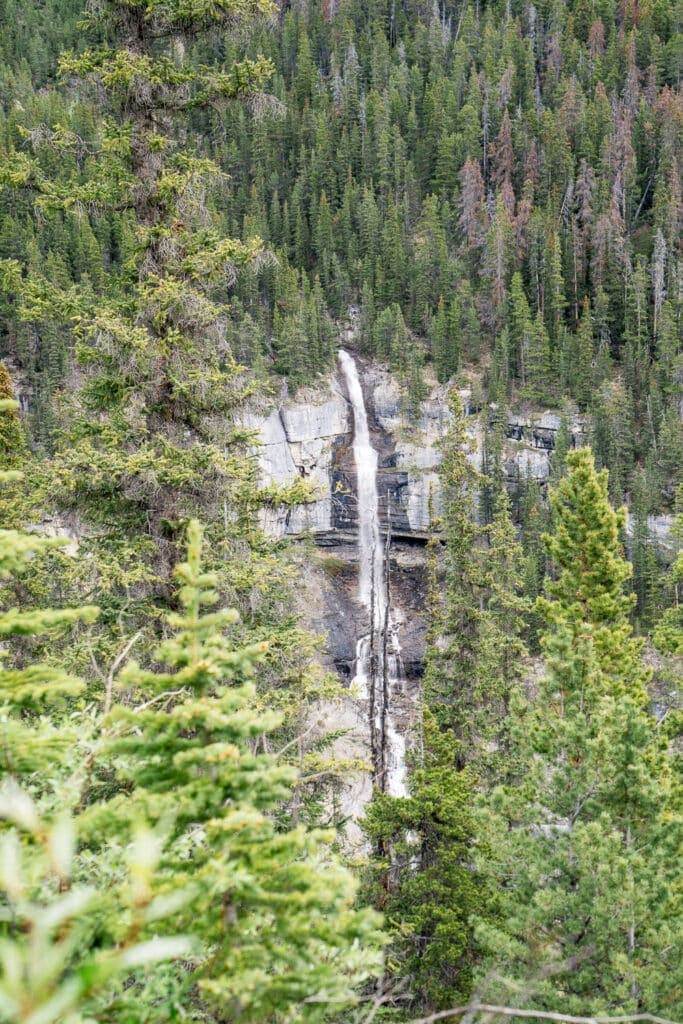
(310, 436)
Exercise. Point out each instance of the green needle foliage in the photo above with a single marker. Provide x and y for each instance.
(30, 741)
(503, 187)
(54, 966)
(496, 188)
(271, 906)
(668, 633)
(93, 901)
(422, 876)
(424, 845)
(584, 851)
(475, 653)
(12, 438)
(153, 433)
(54, 963)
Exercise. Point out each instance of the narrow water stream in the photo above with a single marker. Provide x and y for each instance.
(378, 667)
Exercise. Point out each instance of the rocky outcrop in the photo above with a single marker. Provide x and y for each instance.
(659, 528)
(67, 528)
(308, 435)
(297, 440)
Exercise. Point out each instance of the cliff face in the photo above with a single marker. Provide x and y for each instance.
(310, 436)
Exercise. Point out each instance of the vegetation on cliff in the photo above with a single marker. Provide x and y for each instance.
(193, 193)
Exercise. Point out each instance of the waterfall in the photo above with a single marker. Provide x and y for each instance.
(378, 667)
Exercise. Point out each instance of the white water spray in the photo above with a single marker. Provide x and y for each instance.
(382, 640)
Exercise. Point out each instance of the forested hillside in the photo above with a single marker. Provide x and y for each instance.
(202, 203)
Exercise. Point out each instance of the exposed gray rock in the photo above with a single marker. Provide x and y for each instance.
(660, 531)
(307, 422)
(540, 429)
(527, 462)
(422, 499)
(69, 529)
(303, 436)
(297, 440)
(386, 403)
(418, 458)
(307, 437)
(275, 457)
(660, 527)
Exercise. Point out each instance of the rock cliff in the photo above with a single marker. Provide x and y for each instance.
(308, 436)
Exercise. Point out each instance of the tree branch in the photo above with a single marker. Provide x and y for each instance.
(165, 696)
(563, 1018)
(121, 656)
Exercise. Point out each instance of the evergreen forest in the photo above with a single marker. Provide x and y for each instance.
(341, 511)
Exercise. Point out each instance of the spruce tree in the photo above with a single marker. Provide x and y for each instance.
(521, 332)
(449, 667)
(668, 633)
(32, 741)
(583, 850)
(538, 379)
(581, 375)
(12, 439)
(422, 877)
(55, 961)
(474, 654)
(153, 431)
(422, 868)
(446, 339)
(272, 908)
(643, 556)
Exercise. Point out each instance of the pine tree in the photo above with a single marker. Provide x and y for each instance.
(445, 337)
(538, 380)
(474, 654)
(492, 462)
(502, 648)
(273, 909)
(54, 960)
(12, 439)
(155, 429)
(563, 443)
(521, 330)
(54, 964)
(643, 556)
(499, 380)
(534, 519)
(143, 441)
(473, 218)
(668, 633)
(423, 881)
(454, 614)
(581, 374)
(583, 848)
(555, 296)
(30, 740)
(416, 388)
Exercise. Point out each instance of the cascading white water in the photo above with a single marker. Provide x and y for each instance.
(372, 594)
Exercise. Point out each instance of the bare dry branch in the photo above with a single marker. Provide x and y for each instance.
(120, 657)
(167, 695)
(563, 1018)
